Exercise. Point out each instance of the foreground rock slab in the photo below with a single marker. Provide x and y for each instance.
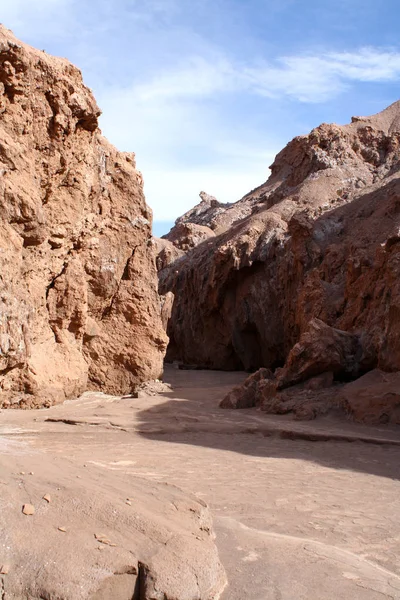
(89, 543)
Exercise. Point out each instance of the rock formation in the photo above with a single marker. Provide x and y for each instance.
(205, 214)
(78, 305)
(304, 271)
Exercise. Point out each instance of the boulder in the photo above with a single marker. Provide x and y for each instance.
(246, 395)
(321, 349)
(373, 398)
(305, 401)
(300, 401)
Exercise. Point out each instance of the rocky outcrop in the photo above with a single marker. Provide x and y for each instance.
(322, 349)
(186, 236)
(204, 214)
(265, 390)
(304, 386)
(372, 399)
(245, 395)
(166, 253)
(319, 240)
(78, 304)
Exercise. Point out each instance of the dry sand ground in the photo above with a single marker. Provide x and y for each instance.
(300, 512)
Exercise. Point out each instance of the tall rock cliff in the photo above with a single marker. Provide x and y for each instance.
(317, 245)
(78, 295)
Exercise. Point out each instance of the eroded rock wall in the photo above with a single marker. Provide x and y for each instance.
(78, 305)
(320, 239)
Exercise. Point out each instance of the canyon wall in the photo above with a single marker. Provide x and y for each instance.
(79, 306)
(318, 242)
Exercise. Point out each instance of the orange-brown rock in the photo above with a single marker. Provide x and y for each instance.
(373, 398)
(319, 240)
(205, 214)
(186, 236)
(321, 349)
(245, 395)
(297, 388)
(166, 253)
(78, 304)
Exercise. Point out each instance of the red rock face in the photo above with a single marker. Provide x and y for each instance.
(78, 304)
(319, 240)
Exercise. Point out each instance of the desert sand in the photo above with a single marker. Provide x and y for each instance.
(301, 510)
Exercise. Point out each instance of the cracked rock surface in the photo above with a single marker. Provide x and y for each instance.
(78, 305)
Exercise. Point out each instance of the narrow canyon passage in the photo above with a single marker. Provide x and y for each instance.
(295, 519)
(116, 493)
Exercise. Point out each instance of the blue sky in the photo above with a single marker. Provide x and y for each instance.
(206, 92)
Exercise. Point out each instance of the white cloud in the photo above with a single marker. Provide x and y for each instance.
(197, 77)
(182, 147)
(177, 119)
(318, 78)
(307, 78)
(369, 64)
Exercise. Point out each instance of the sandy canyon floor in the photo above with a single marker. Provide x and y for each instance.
(301, 510)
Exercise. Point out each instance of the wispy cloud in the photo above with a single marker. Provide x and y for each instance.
(311, 78)
(306, 78)
(183, 146)
(178, 118)
(197, 77)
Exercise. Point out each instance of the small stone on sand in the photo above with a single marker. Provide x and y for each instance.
(62, 529)
(4, 569)
(47, 497)
(28, 509)
(104, 540)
